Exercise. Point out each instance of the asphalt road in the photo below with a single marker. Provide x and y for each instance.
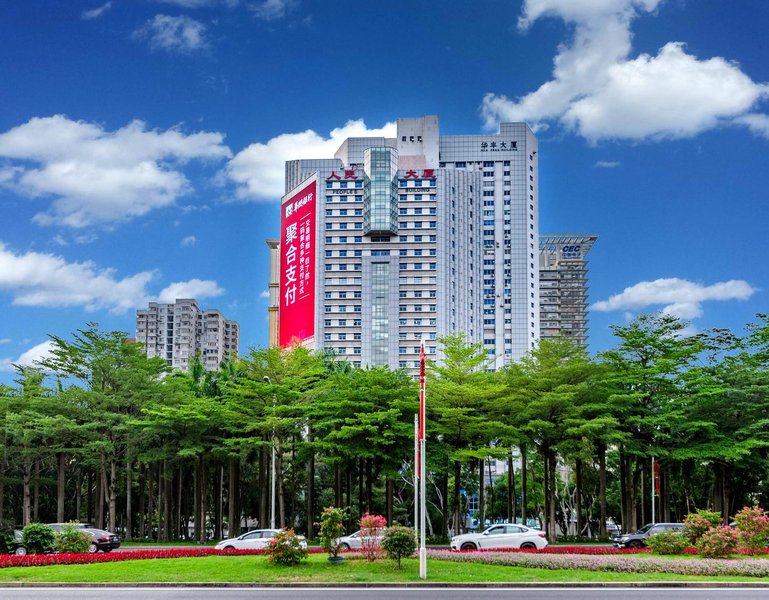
(143, 593)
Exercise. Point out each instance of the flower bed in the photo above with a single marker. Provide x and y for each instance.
(591, 550)
(615, 564)
(40, 560)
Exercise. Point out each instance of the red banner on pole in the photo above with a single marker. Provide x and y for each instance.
(656, 479)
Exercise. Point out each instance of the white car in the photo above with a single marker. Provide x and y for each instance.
(503, 535)
(253, 540)
(354, 541)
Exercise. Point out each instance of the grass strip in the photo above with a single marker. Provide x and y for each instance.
(256, 569)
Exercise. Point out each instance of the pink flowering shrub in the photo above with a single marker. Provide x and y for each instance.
(718, 542)
(700, 522)
(285, 549)
(753, 529)
(371, 531)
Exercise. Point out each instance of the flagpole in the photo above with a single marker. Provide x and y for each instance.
(422, 466)
(416, 474)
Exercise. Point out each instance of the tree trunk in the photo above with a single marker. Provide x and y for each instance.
(389, 493)
(168, 486)
(546, 492)
(142, 499)
(578, 494)
(511, 503)
(310, 489)
(2, 492)
(445, 496)
(233, 497)
(36, 497)
(338, 485)
(349, 497)
(369, 486)
(220, 506)
(551, 463)
(481, 496)
(100, 491)
(491, 495)
(602, 489)
(361, 470)
(634, 496)
(457, 506)
(203, 502)
(279, 477)
(60, 481)
(524, 487)
(265, 503)
(112, 496)
(128, 499)
(26, 479)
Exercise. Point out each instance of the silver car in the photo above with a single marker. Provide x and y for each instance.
(253, 540)
(503, 535)
(354, 541)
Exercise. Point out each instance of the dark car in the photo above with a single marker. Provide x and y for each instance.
(638, 539)
(18, 547)
(105, 541)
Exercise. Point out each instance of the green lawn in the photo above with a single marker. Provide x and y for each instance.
(316, 569)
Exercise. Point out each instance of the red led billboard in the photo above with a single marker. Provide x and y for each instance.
(297, 266)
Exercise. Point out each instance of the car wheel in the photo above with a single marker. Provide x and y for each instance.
(634, 544)
(528, 546)
(93, 548)
(20, 551)
(344, 546)
(469, 546)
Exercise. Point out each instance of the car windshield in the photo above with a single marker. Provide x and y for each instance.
(645, 528)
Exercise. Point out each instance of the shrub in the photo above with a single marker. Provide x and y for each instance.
(718, 542)
(753, 528)
(6, 541)
(285, 549)
(399, 542)
(38, 538)
(72, 539)
(371, 529)
(331, 528)
(667, 542)
(700, 522)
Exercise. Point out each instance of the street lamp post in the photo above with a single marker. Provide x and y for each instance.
(272, 467)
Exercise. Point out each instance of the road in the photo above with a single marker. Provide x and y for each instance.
(190, 593)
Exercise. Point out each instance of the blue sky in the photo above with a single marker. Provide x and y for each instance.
(141, 142)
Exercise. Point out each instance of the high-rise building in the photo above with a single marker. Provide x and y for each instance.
(563, 286)
(398, 241)
(179, 331)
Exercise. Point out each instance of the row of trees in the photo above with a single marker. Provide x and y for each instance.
(101, 433)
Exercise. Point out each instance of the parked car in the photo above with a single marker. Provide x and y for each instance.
(106, 541)
(501, 536)
(252, 540)
(638, 539)
(354, 541)
(60, 526)
(18, 546)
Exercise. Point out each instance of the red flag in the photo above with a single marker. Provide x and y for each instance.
(656, 479)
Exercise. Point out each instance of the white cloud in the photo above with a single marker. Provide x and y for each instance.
(259, 169)
(97, 176)
(677, 297)
(190, 240)
(602, 93)
(28, 358)
(178, 35)
(606, 164)
(36, 279)
(95, 13)
(272, 10)
(5, 341)
(757, 123)
(264, 295)
(195, 288)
